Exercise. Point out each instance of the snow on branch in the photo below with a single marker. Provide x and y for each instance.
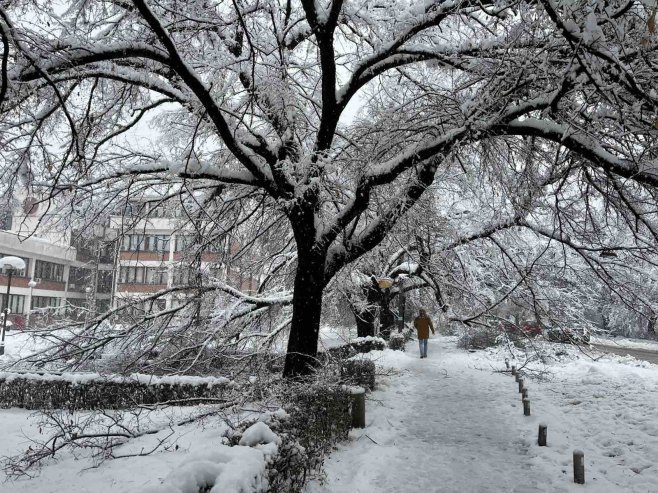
(584, 146)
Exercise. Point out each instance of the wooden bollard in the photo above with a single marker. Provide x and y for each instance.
(359, 409)
(524, 393)
(513, 370)
(506, 363)
(526, 407)
(578, 467)
(541, 437)
(520, 385)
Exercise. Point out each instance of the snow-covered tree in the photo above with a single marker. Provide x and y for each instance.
(259, 94)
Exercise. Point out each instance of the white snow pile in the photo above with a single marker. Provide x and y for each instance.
(238, 469)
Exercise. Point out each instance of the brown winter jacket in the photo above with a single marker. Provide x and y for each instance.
(423, 326)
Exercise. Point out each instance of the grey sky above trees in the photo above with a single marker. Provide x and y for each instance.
(560, 94)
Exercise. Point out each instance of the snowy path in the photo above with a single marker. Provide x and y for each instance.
(460, 433)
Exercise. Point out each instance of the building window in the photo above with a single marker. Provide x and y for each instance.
(5, 220)
(133, 243)
(48, 271)
(16, 302)
(143, 275)
(135, 209)
(158, 210)
(45, 302)
(145, 243)
(130, 274)
(156, 275)
(104, 284)
(80, 278)
(160, 243)
(183, 242)
(22, 272)
(182, 276)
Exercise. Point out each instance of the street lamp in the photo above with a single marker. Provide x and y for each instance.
(88, 291)
(11, 264)
(32, 284)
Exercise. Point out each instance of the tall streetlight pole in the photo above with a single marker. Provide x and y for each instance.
(11, 263)
(32, 284)
(88, 296)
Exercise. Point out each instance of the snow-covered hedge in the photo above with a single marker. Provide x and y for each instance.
(358, 345)
(316, 417)
(359, 371)
(93, 391)
(479, 338)
(397, 341)
(367, 344)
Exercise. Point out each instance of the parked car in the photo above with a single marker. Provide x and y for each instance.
(526, 328)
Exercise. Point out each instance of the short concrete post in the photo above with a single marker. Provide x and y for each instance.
(513, 370)
(520, 385)
(526, 407)
(359, 409)
(524, 393)
(578, 467)
(543, 432)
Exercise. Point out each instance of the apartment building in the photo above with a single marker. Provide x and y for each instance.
(158, 250)
(142, 250)
(61, 277)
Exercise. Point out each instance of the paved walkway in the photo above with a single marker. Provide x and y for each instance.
(641, 354)
(441, 426)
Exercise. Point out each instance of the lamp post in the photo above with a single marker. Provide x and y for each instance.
(32, 284)
(88, 291)
(11, 264)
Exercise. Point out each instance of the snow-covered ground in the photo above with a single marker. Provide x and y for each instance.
(17, 344)
(450, 423)
(191, 453)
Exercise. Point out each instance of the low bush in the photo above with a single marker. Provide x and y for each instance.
(567, 336)
(359, 372)
(317, 418)
(367, 344)
(479, 338)
(397, 341)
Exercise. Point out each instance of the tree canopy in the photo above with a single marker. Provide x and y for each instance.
(260, 93)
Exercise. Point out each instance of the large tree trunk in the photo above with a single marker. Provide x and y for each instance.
(386, 316)
(366, 316)
(365, 321)
(301, 356)
(306, 310)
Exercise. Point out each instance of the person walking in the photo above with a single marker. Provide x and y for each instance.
(423, 325)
